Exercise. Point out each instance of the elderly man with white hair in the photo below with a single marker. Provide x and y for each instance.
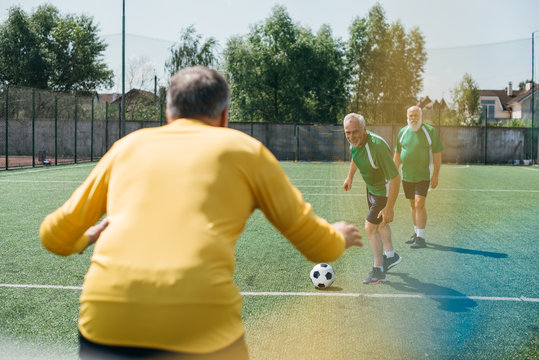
(419, 150)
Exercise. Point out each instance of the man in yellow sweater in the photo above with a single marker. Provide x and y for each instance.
(177, 197)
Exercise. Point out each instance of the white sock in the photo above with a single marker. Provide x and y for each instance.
(421, 233)
(379, 267)
(415, 229)
(389, 253)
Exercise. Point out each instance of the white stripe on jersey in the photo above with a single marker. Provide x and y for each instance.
(404, 133)
(370, 156)
(431, 158)
(381, 138)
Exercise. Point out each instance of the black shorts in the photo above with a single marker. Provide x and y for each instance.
(411, 189)
(88, 350)
(376, 204)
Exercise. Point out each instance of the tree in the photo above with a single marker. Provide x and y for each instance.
(46, 50)
(23, 59)
(281, 72)
(466, 100)
(386, 64)
(191, 51)
(76, 56)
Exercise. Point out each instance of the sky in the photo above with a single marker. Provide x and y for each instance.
(489, 39)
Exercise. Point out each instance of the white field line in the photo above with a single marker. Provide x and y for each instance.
(326, 294)
(298, 186)
(535, 168)
(53, 168)
(20, 181)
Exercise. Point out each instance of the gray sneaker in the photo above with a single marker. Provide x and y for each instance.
(376, 276)
(418, 243)
(411, 239)
(392, 261)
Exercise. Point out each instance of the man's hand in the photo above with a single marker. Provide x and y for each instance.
(434, 181)
(347, 184)
(95, 231)
(386, 214)
(350, 232)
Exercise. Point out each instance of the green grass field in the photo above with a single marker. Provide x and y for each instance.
(473, 293)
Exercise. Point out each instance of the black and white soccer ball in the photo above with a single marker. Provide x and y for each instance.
(322, 276)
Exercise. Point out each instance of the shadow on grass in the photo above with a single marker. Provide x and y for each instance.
(466, 251)
(448, 299)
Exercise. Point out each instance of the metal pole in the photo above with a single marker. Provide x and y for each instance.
(532, 104)
(486, 120)
(33, 127)
(119, 123)
(55, 129)
(92, 133)
(75, 132)
(106, 126)
(7, 117)
(122, 122)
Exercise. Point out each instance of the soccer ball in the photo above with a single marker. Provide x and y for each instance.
(322, 276)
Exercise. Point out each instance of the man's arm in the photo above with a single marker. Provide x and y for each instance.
(350, 177)
(387, 212)
(397, 159)
(436, 170)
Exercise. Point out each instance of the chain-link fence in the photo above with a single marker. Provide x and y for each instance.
(42, 128)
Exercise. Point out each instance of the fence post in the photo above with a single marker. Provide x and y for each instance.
(7, 117)
(33, 127)
(75, 132)
(106, 126)
(120, 121)
(160, 112)
(55, 129)
(486, 146)
(92, 133)
(296, 131)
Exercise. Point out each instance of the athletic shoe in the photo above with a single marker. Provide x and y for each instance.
(418, 243)
(392, 261)
(411, 239)
(375, 277)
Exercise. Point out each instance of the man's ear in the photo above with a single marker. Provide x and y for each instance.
(167, 116)
(223, 120)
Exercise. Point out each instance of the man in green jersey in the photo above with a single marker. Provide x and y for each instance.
(372, 156)
(419, 150)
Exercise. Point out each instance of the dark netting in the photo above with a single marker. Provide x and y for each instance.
(65, 129)
(44, 128)
(321, 143)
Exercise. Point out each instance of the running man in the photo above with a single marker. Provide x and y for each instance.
(419, 150)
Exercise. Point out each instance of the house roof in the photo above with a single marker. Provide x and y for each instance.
(506, 100)
(107, 98)
(134, 93)
(427, 103)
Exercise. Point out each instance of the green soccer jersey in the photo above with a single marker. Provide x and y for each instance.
(416, 149)
(375, 164)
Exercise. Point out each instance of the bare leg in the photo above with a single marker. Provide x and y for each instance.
(385, 233)
(420, 212)
(375, 241)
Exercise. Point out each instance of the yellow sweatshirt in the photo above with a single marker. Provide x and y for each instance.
(177, 197)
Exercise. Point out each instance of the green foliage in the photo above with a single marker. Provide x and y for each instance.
(466, 100)
(191, 51)
(515, 123)
(386, 64)
(282, 72)
(47, 50)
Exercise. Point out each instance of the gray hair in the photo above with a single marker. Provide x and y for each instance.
(353, 116)
(415, 107)
(197, 91)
